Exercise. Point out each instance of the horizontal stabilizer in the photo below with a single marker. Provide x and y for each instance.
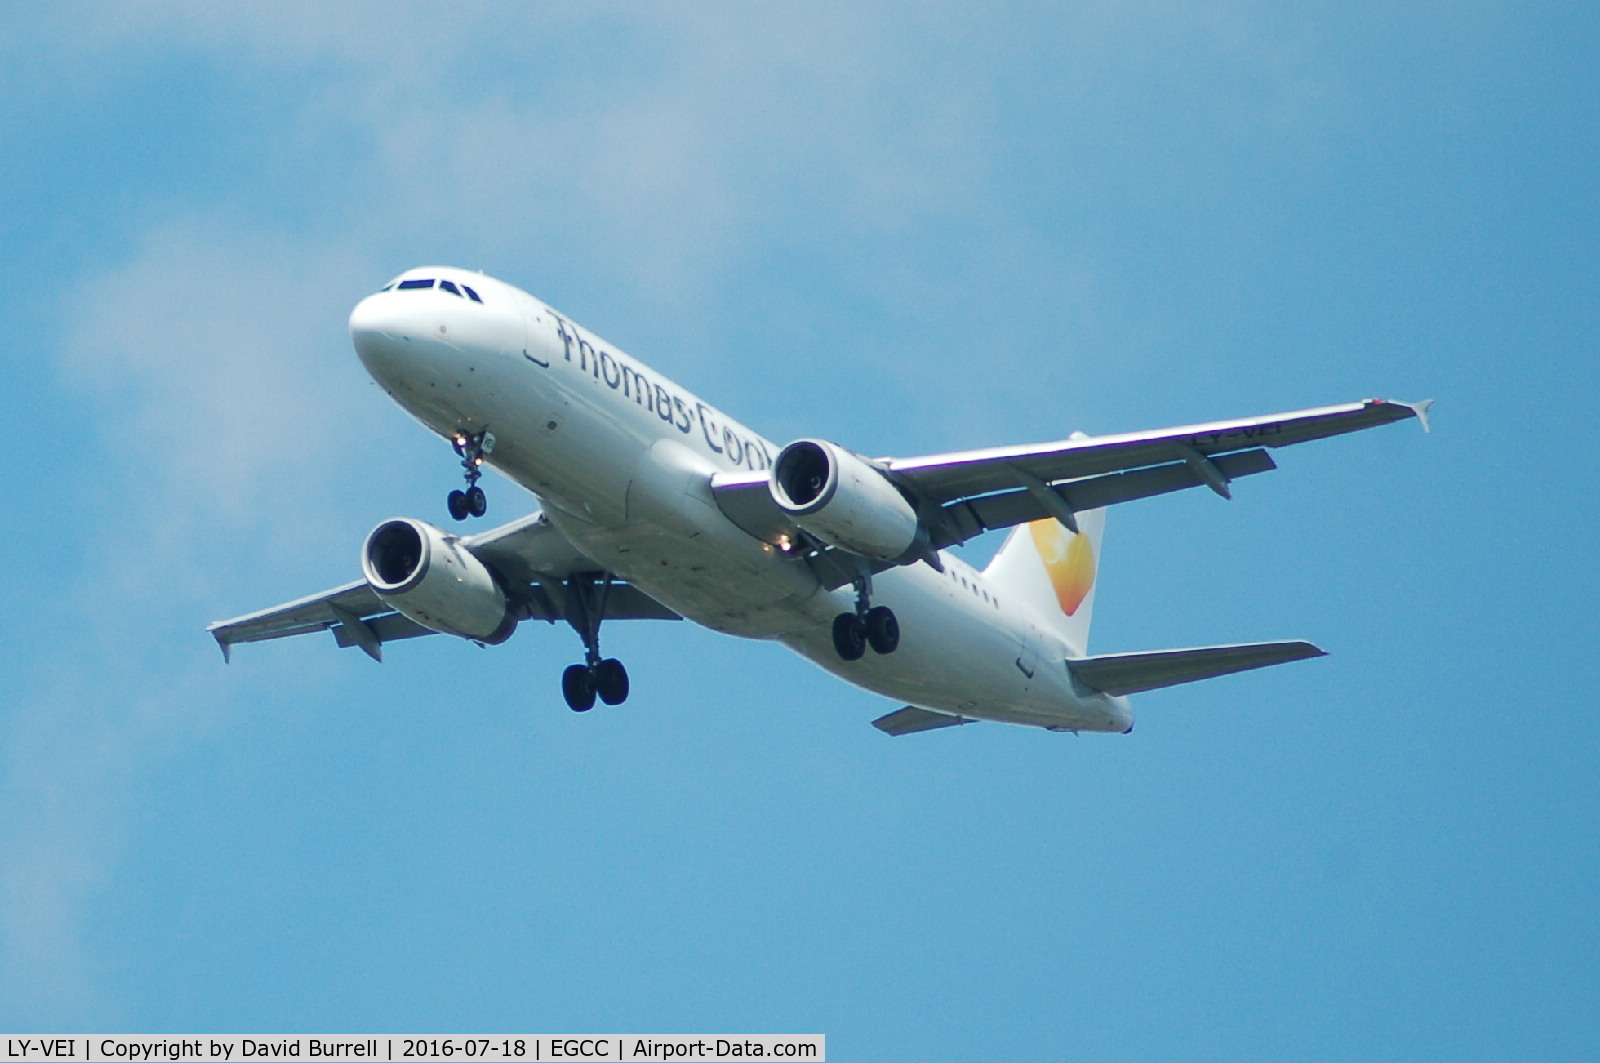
(1130, 673)
(911, 719)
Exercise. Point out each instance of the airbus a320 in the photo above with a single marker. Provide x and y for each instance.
(654, 505)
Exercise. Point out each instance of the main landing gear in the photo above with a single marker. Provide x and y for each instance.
(597, 676)
(607, 678)
(472, 448)
(870, 625)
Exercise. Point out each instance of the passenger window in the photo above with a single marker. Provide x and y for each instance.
(471, 294)
(450, 287)
(416, 282)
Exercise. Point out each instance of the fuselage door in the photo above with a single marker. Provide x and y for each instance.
(1030, 658)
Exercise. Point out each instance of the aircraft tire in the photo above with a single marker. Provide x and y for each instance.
(477, 502)
(456, 502)
(849, 637)
(577, 686)
(611, 681)
(883, 630)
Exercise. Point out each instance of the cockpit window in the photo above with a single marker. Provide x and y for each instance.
(419, 283)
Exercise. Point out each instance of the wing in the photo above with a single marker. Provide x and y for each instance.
(962, 495)
(534, 562)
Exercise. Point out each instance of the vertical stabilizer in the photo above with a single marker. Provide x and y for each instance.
(1052, 571)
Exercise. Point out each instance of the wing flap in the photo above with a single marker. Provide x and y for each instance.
(1006, 509)
(1133, 673)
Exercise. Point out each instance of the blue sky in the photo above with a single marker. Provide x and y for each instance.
(910, 229)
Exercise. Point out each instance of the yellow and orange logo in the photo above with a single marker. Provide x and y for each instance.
(1069, 561)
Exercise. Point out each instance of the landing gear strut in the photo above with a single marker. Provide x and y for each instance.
(604, 677)
(870, 625)
(472, 448)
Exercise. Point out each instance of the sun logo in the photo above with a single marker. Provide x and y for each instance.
(1068, 560)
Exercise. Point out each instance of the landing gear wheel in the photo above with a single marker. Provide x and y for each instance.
(577, 686)
(611, 681)
(883, 630)
(849, 637)
(472, 448)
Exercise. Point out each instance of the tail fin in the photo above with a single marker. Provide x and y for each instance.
(1052, 571)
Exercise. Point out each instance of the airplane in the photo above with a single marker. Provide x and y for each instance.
(656, 505)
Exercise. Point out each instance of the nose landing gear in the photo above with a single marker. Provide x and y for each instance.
(604, 677)
(870, 625)
(472, 448)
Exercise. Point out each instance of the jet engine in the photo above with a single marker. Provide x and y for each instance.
(431, 578)
(836, 496)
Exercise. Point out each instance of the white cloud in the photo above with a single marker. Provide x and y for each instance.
(657, 143)
(75, 757)
(215, 373)
(217, 366)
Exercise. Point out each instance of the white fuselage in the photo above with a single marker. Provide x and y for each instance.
(621, 459)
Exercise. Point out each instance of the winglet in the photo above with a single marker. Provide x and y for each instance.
(224, 645)
(1421, 410)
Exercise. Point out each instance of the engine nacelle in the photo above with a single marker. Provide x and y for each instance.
(842, 500)
(431, 578)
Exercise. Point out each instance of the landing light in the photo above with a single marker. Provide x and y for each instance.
(784, 544)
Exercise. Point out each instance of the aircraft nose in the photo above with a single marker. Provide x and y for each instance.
(371, 326)
(386, 334)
